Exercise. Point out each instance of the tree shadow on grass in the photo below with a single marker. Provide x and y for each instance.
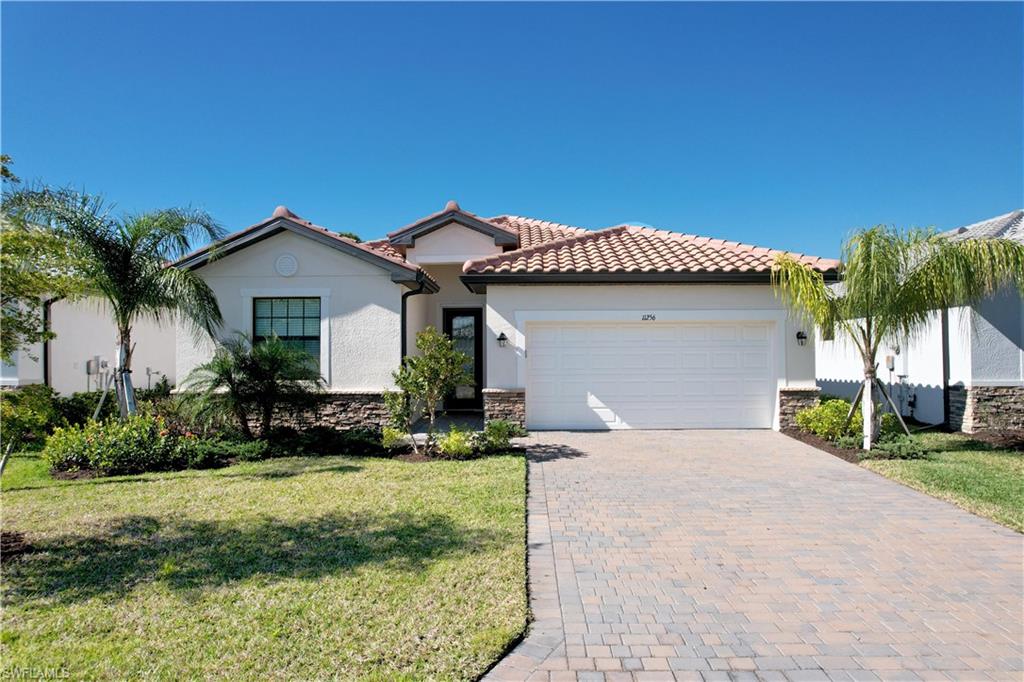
(188, 555)
(285, 468)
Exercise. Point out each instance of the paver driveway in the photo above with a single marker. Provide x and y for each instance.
(718, 555)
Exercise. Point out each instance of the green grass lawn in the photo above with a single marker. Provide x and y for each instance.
(296, 568)
(970, 474)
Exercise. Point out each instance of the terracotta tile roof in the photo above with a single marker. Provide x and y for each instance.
(384, 246)
(533, 232)
(389, 254)
(632, 249)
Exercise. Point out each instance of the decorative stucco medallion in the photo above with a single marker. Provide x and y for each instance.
(286, 265)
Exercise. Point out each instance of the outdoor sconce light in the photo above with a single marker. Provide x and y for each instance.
(502, 340)
(801, 338)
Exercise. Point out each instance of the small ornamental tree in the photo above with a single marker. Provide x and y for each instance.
(247, 381)
(425, 380)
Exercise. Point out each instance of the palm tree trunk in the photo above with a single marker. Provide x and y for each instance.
(267, 418)
(123, 374)
(243, 423)
(867, 406)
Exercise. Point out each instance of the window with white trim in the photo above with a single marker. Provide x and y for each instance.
(296, 321)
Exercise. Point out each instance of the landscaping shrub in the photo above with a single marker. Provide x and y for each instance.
(393, 439)
(27, 416)
(286, 441)
(497, 435)
(456, 444)
(826, 420)
(901, 447)
(78, 408)
(134, 445)
(214, 453)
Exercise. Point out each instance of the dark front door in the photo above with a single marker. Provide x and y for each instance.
(463, 326)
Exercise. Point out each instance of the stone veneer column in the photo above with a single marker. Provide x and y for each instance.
(792, 399)
(986, 408)
(505, 403)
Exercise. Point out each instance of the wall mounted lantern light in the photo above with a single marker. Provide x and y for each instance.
(502, 340)
(801, 338)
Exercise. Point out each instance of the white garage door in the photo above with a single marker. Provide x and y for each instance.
(649, 375)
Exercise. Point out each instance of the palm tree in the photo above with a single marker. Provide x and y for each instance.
(125, 260)
(891, 282)
(245, 378)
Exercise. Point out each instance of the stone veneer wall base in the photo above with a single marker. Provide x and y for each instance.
(986, 408)
(505, 403)
(792, 399)
(341, 411)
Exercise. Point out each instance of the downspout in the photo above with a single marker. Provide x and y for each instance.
(405, 296)
(46, 342)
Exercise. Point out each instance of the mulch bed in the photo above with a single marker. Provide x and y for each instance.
(413, 457)
(13, 544)
(850, 455)
(1004, 440)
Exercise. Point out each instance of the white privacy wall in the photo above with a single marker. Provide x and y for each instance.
(360, 307)
(840, 369)
(985, 348)
(510, 307)
(85, 329)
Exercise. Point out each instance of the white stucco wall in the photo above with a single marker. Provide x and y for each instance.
(985, 348)
(360, 308)
(840, 370)
(997, 340)
(85, 329)
(510, 308)
(452, 243)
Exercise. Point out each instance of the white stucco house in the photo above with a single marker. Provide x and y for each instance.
(966, 369)
(84, 331)
(624, 327)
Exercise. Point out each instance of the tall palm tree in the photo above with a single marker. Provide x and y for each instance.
(125, 261)
(891, 281)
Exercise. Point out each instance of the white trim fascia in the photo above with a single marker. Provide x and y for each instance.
(284, 292)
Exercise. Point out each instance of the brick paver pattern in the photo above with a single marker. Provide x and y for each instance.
(746, 555)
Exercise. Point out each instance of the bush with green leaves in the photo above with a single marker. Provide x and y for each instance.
(27, 416)
(213, 453)
(327, 440)
(456, 444)
(393, 439)
(898, 447)
(497, 435)
(826, 420)
(133, 445)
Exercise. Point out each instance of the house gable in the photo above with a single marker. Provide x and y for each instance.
(284, 220)
(452, 214)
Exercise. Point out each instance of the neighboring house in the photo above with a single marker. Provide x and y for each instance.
(84, 331)
(625, 327)
(966, 368)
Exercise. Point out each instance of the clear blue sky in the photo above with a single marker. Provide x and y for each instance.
(781, 125)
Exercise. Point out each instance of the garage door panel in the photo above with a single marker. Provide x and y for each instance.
(642, 375)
